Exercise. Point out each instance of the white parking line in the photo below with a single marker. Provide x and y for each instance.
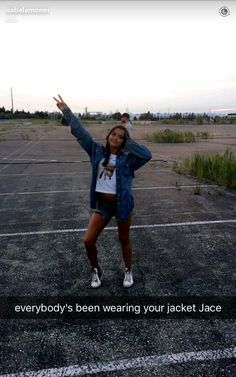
(78, 230)
(125, 364)
(38, 174)
(40, 192)
(83, 190)
(26, 148)
(14, 152)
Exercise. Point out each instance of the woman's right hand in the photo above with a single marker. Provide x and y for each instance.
(60, 104)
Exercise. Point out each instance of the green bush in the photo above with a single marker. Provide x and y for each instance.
(219, 168)
(169, 136)
(199, 120)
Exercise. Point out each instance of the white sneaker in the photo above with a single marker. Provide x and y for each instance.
(96, 278)
(128, 280)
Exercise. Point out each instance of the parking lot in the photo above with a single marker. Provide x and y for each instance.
(183, 245)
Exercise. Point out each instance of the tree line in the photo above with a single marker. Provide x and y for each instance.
(173, 117)
(8, 114)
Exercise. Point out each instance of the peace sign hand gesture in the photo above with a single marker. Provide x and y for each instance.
(60, 104)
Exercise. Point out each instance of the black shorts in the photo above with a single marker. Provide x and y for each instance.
(107, 208)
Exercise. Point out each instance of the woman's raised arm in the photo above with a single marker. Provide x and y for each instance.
(82, 135)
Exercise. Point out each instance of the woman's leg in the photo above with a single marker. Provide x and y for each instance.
(96, 224)
(123, 234)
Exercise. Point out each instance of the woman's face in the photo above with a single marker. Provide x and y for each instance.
(116, 138)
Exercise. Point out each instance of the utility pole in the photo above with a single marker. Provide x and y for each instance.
(12, 108)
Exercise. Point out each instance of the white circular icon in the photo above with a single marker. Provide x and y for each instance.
(224, 11)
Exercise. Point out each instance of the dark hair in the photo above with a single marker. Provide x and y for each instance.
(107, 148)
(125, 115)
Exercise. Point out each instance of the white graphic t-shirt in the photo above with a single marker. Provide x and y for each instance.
(106, 178)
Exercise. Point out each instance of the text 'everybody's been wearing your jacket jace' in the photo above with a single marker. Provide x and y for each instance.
(134, 156)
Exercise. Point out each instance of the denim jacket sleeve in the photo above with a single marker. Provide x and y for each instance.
(82, 135)
(140, 151)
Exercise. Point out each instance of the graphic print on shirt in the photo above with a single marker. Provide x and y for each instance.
(107, 171)
(106, 178)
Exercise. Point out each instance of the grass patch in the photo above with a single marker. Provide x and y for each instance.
(47, 122)
(152, 164)
(168, 121)
(24, 136)
(3, 129)
(169, 136)
(218, 168)
(203, 134)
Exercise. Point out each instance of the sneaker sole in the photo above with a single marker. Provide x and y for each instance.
(128, 286)
(96, 286)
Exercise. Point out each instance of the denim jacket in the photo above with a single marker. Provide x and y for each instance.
(129, 159)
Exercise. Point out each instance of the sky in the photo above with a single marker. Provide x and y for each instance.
(109, 56)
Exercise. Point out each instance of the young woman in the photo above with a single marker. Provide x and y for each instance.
(110, 190)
